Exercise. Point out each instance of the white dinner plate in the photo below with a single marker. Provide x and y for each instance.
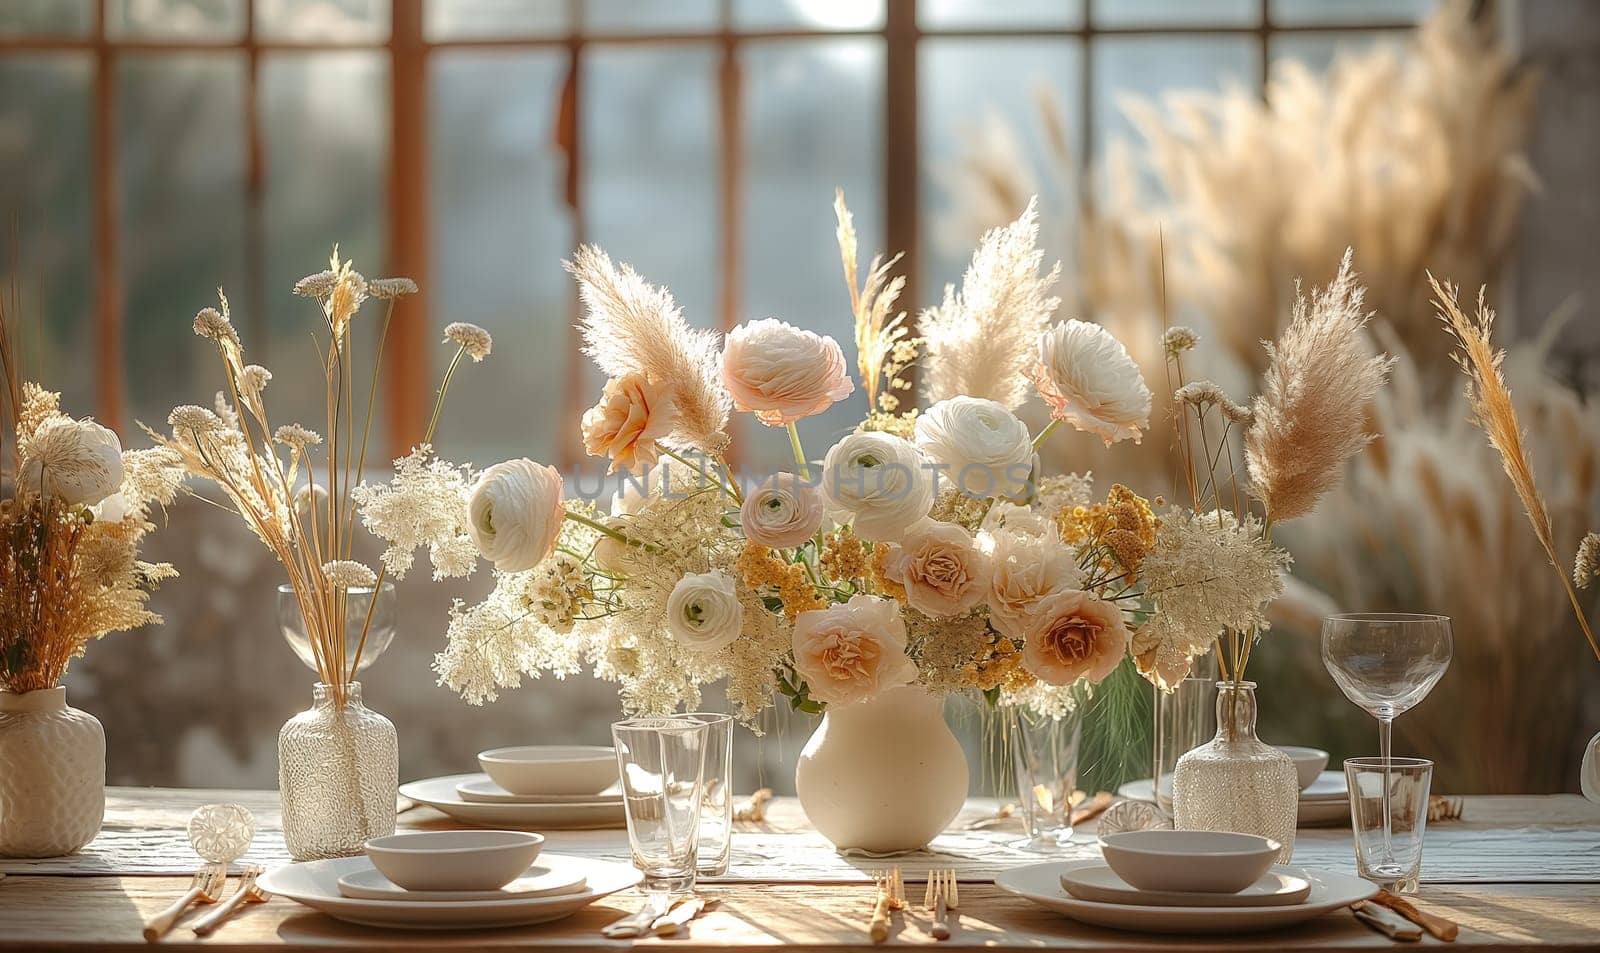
(1329, 786)
(316, 884)
(1093, 880)
(541, 880)
(1326, 803)
(1041, 883)
(441, 793)
(482, 790)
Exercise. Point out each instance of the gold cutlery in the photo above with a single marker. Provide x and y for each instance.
(639, 924)
(1386, 921)
(678, 917)
(891, 895)
(1439, 927)
(1443, 807)
(753, 809)
(248, 892)
(943, 895)
(205, 887)
(1091, 808)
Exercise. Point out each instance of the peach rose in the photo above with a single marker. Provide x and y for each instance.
(625, 425)
(783, 373)
(783, 511)
(1026, 568)
(1073, 635)
(942, 569)
(852, 652)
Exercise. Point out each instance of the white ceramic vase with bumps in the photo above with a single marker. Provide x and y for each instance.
(52, 774)
(1590, 773)
(884, 775)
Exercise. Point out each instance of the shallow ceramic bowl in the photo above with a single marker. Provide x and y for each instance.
(1194, 861)
(551, 769)
(454, 860)
(1308, 762)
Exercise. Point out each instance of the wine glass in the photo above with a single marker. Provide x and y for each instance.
(1386, 662)
(357, 602)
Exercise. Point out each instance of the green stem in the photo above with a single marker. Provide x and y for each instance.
(605, 530)
(1049, 428)
(799, 454)
(438, 404)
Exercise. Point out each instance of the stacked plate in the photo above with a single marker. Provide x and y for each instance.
(1325, 802)
(1185, 882)
(566, 787)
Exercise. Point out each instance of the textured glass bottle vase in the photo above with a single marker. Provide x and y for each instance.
(338, 775)
(1236, 782)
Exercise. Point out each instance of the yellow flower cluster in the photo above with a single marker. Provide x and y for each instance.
(763, 571)
(1124, 525)
(997, 665)
(880, 576)
(899, 424)
(844, 556)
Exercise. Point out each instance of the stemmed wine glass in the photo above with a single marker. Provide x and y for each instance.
(1386, 662)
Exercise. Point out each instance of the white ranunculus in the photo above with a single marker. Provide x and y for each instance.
(76, 461)
(878, 482)
(1089, 380)
(514, 514)
(112, 509)
(985, 448)
(703, 611)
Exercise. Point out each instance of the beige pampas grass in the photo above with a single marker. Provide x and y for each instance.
(1494, 412)
(982, 340)
(1311, 413)
(633, 326)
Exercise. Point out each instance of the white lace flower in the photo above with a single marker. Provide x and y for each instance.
(189, 419)
(388, 289)
(348, 574)
(211, 324)
(296, 436)
(470, 338)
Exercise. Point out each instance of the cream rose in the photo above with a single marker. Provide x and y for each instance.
(783, 373)
(514, 514)
(783, 511)
(1026, 567)
(943, 571)
(1089, 380)
(852, 652)
(632, 414)
(984, 449)
(703, 611)
(76, 461)
(878, 482)
(1074, 635)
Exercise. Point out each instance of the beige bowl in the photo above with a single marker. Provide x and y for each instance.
(454, 860)
(1309, 763)
(551, 769)
(1194, 861)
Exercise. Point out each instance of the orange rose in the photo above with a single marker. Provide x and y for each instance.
(1074, 635)
(631, 415)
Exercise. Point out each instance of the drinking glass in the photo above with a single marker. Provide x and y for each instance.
(357, 603)
(661, 762)
(1386, 662)
(1388, 812)
(1185, 719)
(1044, 755)
(716, 800)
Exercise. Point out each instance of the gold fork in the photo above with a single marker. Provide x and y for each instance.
(205, 887)
(943, 895)
(249, 892)
(891, 896)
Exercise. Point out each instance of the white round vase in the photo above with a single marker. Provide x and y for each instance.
(52, 774)
(1589, 774)
(884, 775)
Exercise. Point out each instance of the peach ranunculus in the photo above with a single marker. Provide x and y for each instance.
(783, 373)
(632, 414)
(942, 569)
(1026, 568)
(850, 653)
(783, 511)
(1074, 635)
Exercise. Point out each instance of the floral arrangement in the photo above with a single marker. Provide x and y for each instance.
(70, 530)
(924, 547)
(269, 475)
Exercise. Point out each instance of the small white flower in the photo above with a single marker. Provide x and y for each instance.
(703, 611)
(76, 461)
(470, 338)
(349, 574)
(319, 285)
(984, 448)
(514, 514)
(388, 289)
(253, 381)
(296, 436)
(1178, 339)
(1089, 380)
(877, 482)
(194, 420)
(210, 323)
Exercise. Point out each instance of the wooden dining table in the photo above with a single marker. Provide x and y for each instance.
(1516, 873)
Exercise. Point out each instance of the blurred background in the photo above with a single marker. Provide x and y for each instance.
(1192, 155)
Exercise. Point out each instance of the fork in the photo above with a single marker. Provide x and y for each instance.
(943, 895)
(891, 896)
(249, 892)
(205, 887)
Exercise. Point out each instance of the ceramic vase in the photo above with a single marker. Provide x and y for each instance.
(338, 775)
(1589, 774)
(884, 775)
(52, 774)
(1236, 782)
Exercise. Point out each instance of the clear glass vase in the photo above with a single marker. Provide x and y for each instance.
(338, 775)
(1183, 722)
(1236, 782)
(1044, 758)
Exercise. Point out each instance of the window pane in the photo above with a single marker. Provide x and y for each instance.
(1151, 66)
(934, 14)
(650, 16)
(982, 104)
(813, 120)
(808, 14)
(44, 112)
(1349, 11)
(180, 181)
(1176, 12)
(331, 20)
(325, 177)
(47, 17)
(1318, 50)
(176, 19)
(447, 19)
(500, 227)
